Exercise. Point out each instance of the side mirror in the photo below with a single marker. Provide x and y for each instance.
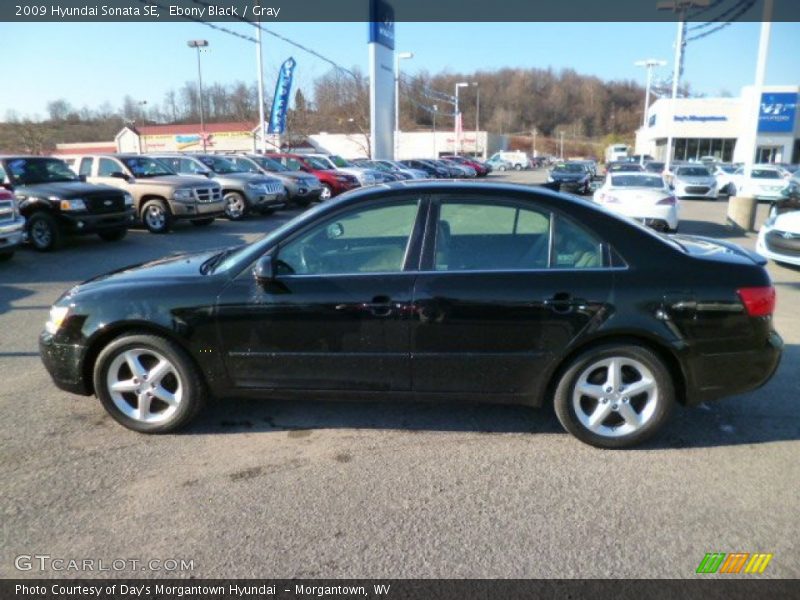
(120, 175)
(264, 271)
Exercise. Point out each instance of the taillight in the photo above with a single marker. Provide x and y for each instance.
(669, 201)
(758, 301)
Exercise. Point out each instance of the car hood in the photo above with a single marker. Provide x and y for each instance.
(245, 178)
(789, 221)
(176, 181)
(64, 189)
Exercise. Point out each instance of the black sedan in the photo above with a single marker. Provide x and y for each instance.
(571, 177)
(429, 291)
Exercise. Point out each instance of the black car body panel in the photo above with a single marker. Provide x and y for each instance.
(498, 336)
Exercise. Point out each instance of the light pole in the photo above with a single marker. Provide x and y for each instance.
(398, 57)
(562, 145)
(435, 110)
(648, 64)
(456, 124)
(534, 142)
(477, 112)
(260, 78)
(200, 44)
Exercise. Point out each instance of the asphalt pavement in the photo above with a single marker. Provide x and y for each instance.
(310, 489)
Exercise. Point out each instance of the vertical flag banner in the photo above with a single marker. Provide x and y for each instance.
(280, 102)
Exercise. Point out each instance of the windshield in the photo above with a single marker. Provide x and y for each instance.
(727, 169)
(338, 161)
(269, 164)
(316, 163)
(143, 167)
(637, 181)
(693, 172)
(766, 174)
(219, 164)
(570, 168)
(30, 171)
(654, 167)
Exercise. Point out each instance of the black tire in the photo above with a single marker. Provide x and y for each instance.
(113, 235)
(43, 232)
(657, 413)
(518, 167)
(4, 256)
(156, 216)
(193, 389)
(203, 222)
(236, 207)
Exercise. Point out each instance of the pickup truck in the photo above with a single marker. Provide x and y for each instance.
(12, 225)
(160, 196)
(242, 192)
(55, 202)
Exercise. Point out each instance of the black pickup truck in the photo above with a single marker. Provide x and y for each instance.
(56, 202)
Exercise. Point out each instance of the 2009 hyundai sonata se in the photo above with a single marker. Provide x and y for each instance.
(429, 291)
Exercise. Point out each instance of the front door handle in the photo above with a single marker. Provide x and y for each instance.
(381, 306)
(560, 302)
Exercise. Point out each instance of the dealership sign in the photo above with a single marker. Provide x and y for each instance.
(777, 112)
(699, 118)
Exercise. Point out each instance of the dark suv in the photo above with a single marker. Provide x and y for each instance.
(56, 202)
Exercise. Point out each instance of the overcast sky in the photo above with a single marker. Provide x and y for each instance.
(91, 63)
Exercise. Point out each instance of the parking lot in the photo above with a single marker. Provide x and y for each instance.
(309, 489)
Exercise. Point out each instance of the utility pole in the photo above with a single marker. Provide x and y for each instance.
(533, 147)
(562, 144)
(260, 67)
(648, 64)
(435, 110)
(477, 114)
(200, 44)
(398, 56)
(458, 126)
(751, 143)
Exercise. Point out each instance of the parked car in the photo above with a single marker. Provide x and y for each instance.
(693, 181)
(302, 188)
(242, 192)
(723, 173)
(518, 159)
(161, 197)
(765, 183)
(333, 181)
(433, 170)
(399, 168)
(641, 196)
(336, 162)
(390, 174)
(779, 238)
(12, 225)
(457, 169)
(616, 152)
(571, 177)
(530, 296)
(55, 202)
(481, 170)
(654, 166)
(500, 164)
(623, 167)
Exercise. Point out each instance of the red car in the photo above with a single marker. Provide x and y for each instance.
(480, 168)
(333, 182)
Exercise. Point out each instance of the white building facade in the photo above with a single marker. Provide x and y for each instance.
(715, 127)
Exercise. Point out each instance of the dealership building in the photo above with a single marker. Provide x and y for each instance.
(714, 127)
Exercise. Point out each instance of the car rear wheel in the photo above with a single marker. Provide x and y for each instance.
(203, 222)
(518, 167)
(148, 383)
(156, 216)
(327, 192)
(235, 206)
(43, 232)
(614, 396)
(114, 235)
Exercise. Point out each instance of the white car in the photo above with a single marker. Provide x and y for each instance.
(365, 176)
(766, 182)
(518, 159)
(779, 238)
(693, 181)
(641, 196)
(723, 173)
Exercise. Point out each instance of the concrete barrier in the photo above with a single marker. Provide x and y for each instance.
(742, 212)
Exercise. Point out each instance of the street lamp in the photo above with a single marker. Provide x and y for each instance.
(456, 127)
(435, 110)
(648, 64)
(477, 112)
(200, 44)
(398, 57)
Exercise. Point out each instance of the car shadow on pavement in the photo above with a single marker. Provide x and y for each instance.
(709, 229)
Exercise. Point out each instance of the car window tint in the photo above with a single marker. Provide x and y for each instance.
(473, 236)
(574, 247)
(107, 166)
(86, 166)
(365, 240)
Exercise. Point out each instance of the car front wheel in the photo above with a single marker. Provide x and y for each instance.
(148, 383)
(614, 396)
(235, 206)
(156, 217)
(327, 192)
(43, 232)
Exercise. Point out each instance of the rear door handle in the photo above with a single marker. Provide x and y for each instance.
(560, 302)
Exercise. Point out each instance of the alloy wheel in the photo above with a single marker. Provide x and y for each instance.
(155, 218)
(41, 234)
(234, 206)
(144, 385)
(615, 396)
(326, 193)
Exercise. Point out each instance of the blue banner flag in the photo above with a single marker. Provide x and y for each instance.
(280, 103)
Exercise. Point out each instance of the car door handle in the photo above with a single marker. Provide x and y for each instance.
(560, 302)
(381, 306)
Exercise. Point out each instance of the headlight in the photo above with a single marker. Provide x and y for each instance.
(128, 199)
(550, 179)
(183, 194)
(71, 204)
(57, 316)
(342, 178)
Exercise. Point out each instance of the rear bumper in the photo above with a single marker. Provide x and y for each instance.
(12, 234)
(89, 223)
(724, 374)
(64, 363)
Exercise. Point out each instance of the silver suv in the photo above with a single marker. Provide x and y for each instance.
(243, 192)
(301, 188)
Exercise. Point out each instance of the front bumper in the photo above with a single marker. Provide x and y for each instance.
(784, 252)
(573, 186)
(64, 363)
(197, 210)
(12, 234)
(85, 223)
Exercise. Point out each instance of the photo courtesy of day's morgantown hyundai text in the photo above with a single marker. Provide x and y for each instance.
(435, 291)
